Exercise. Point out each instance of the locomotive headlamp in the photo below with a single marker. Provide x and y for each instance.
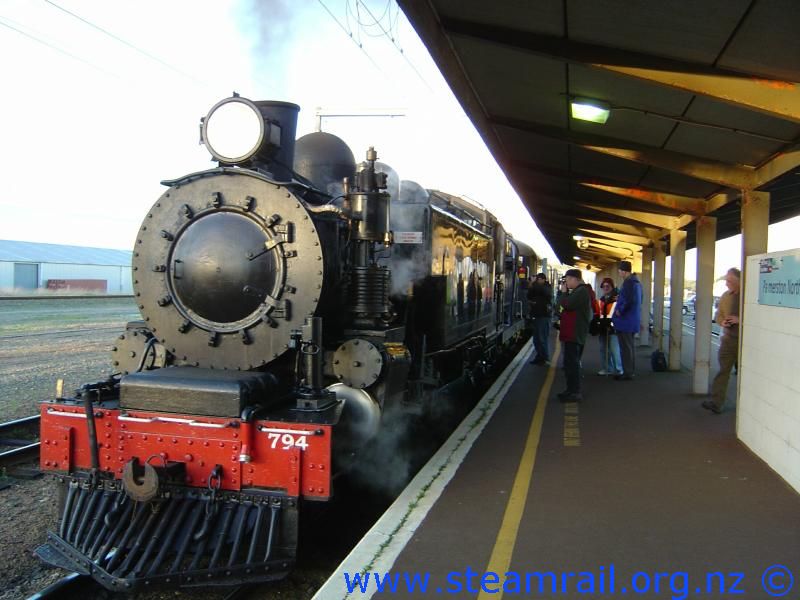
(234, 131)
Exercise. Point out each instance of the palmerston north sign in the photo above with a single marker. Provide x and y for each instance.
(779, 280)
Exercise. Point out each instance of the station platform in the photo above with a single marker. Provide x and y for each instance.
(637, 490)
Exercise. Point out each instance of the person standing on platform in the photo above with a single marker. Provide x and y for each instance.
(627, 318)
(576, 303)
(540, 310)
(610, 360)
(728, 318)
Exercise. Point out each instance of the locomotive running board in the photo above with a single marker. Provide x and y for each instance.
(178, 540)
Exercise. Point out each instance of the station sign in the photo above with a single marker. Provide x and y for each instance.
(779, 280)
(407, 237)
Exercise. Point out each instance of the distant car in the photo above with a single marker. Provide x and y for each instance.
(714, 306)
(690, 304)
(684, 309)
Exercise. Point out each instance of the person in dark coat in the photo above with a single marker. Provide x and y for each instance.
(627, 318)
(576, 302)
(540, 309)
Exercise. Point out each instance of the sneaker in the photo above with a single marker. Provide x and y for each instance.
(602, 372)
(712, 406)
(623, 377)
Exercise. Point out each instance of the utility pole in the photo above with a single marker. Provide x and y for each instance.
(322, 113)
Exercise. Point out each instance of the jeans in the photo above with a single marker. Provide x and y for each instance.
(572, 366)
(610, 360)
(541, 336)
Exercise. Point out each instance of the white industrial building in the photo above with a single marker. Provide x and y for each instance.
(34, 266)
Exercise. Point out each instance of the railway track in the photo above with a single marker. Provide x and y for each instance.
(76, 585)
(14, 449)
(61, 332)
(84, 297)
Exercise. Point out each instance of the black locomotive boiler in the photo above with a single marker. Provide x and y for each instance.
(290, 300)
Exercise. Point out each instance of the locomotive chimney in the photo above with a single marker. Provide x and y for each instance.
(284, 114)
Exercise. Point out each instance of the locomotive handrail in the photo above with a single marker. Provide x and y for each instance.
(181, 420)
(137, 419)
(173, 419)
(295, 431)
(235, 171)
(66, 413)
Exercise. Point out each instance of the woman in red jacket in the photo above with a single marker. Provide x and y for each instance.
(610, 360)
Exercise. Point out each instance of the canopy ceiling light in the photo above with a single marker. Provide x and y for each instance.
(585, 109)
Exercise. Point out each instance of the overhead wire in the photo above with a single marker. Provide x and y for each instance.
(53, 46)
(349, 34)
(394, 43)
(364, 25)
(126, 43)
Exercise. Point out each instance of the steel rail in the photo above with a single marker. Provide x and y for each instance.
(20, 422)
(21, 450)
(69, 584)
(14, 455)
(59, 332)
(86, 297)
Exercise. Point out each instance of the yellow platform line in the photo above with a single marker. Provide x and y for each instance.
(507, 536)
(572, 425)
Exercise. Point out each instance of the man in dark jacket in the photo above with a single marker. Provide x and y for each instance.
(627, 318)
(540, 309)
(576, 302)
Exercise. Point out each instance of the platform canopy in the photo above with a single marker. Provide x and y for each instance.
(703, 101)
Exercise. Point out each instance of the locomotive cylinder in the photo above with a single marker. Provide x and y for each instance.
(372, 212)
(369, 205)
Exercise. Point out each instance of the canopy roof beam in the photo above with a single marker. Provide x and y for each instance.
(773, 97)
(734, 176)
(654, 219)
(650, 233)
(615, 243)
(681, 204)
(634, 240)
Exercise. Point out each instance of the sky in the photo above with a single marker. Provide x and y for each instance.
(92, 124)
(100, 105)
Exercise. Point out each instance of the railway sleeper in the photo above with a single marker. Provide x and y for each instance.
(184, 536)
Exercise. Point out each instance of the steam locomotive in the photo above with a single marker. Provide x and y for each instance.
(290, 300)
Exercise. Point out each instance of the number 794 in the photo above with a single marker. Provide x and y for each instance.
(287, 441)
